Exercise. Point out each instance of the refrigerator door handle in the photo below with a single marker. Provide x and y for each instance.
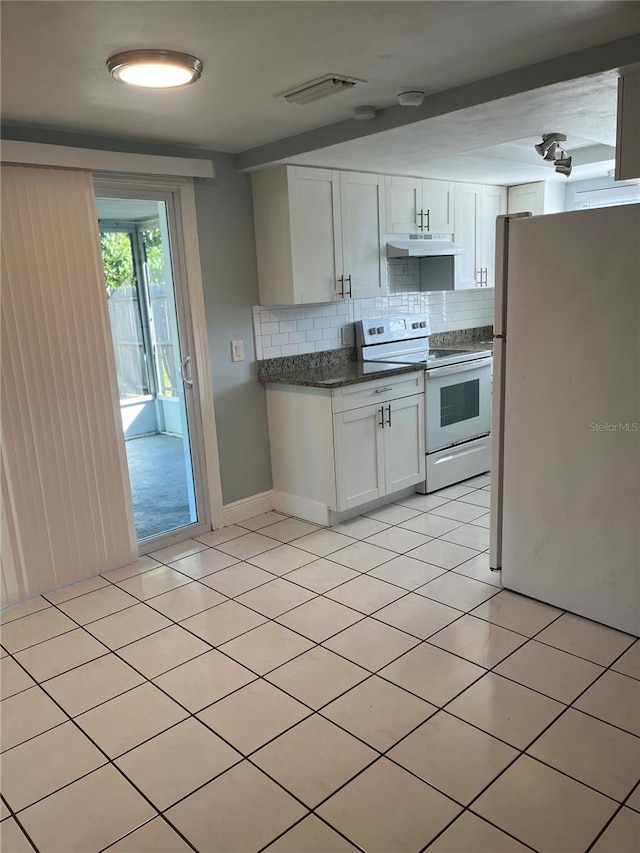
(499, 358)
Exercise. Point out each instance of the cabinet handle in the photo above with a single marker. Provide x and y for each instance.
(389, 408)
(421, 223)
(348, 278)
(382, 390)
(341, 282)
(479, 273)
(381, 417)
(486, 277)
(428, 223)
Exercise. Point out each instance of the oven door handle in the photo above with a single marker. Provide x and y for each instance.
(437, 372)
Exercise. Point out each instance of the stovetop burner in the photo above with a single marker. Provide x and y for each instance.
(432, 357)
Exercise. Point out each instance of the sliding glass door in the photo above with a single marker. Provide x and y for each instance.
(150, 329)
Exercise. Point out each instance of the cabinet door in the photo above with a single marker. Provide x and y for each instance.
(493, 203)
(438, 206)
(404, 443)
(358, 437)
(527, 198)
(362, 213)
(403, 205)
(467, 208)
(316, 234)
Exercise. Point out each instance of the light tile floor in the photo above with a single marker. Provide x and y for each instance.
(277, 686)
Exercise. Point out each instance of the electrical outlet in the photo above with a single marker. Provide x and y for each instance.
(237, 350)
(346, 335)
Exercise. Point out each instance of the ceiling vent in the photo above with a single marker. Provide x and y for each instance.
(322, 87)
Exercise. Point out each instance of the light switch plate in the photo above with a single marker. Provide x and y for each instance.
(237, 350)
(347, 336)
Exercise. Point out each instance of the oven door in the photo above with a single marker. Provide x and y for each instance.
(458, 403)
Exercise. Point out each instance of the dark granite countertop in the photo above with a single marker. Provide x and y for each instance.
(476, 338)
(337, 375)
(339, 367)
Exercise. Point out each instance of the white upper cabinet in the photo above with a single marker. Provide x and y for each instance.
(476, 209)
(403, 204)
(314, 199)
(416, 205)
(537, 198)
(493, 203)
(318, 235)
(298, 232)
(466, 235)
(362, 217)
(438, 206)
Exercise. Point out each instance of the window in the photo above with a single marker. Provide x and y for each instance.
(608, 197)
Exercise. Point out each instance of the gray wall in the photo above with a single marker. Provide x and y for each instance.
(227, 250)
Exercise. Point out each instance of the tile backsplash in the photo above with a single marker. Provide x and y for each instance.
(286, 330)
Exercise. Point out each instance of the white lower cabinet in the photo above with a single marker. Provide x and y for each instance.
(359, 452)
(379, 450)
(404, 444)
(333, 451)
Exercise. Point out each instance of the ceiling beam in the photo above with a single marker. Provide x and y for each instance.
(593, 60)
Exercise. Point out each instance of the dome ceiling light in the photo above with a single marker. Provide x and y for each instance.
(154, 69)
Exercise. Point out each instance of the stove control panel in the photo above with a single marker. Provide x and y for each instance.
(384, 330)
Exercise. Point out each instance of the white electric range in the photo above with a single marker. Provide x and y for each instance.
(457, 394)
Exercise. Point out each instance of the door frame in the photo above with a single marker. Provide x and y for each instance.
(179, 196)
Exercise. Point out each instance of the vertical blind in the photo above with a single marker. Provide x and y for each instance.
(66, 502)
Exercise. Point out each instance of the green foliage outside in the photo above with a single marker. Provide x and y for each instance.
(117, 257)
(155, 257)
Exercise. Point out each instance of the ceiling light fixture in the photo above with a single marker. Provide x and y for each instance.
(322, 87)
(547, 148)
(154, 69)
(411, 98)
(551, 149)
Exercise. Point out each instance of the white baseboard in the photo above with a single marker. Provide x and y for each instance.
(309, 510)
(247, 507)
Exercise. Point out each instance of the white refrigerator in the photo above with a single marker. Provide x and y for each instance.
(565, 493)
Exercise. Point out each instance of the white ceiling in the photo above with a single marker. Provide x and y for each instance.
(494, 143)
(54, 76)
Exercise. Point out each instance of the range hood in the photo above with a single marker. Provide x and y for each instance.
(422, 246)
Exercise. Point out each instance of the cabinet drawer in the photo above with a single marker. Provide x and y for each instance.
(377, 391)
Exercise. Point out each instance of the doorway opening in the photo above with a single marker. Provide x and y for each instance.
(153, 374)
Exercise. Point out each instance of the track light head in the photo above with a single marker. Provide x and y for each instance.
(547, 148)
(563, 165)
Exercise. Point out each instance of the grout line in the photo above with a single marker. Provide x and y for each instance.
(319, 644)
(540, 734)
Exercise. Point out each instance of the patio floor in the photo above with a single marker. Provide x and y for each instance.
(158, 484)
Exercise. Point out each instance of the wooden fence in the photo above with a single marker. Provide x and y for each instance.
(142, 373)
